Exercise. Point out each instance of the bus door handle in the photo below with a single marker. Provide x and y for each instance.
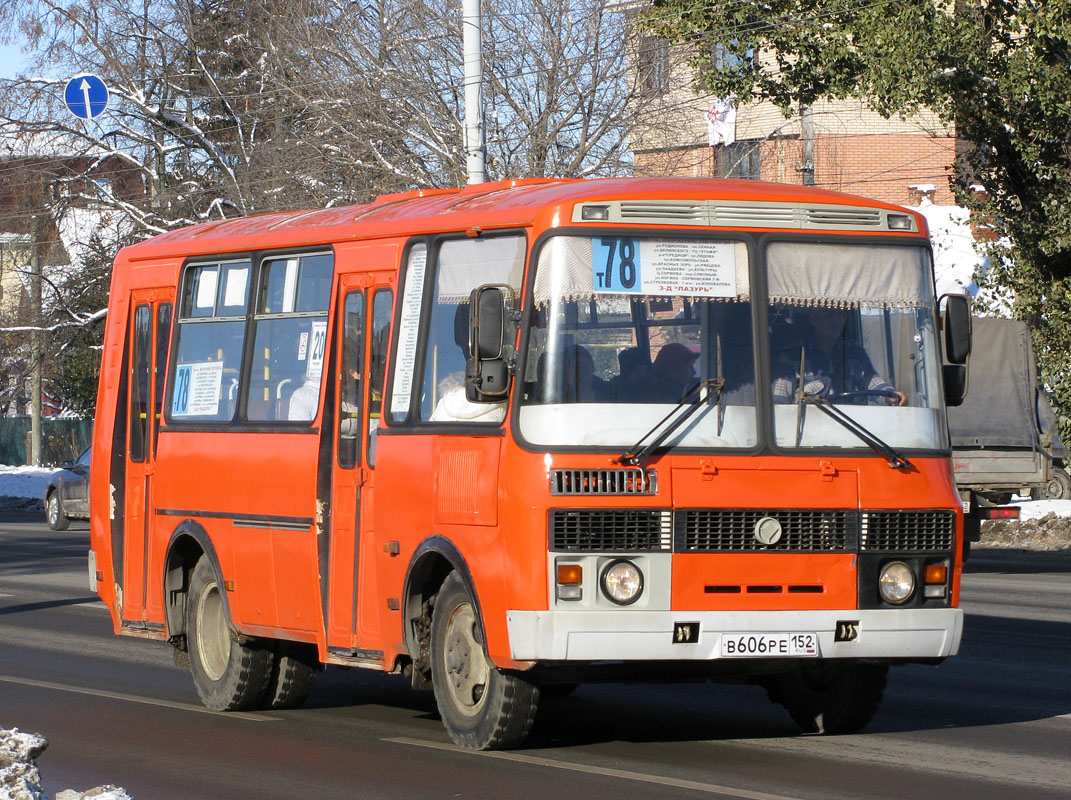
(362, 475)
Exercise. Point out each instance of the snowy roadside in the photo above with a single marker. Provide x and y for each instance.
(23, 488)
(20, 780)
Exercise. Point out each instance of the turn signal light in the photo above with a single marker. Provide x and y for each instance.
(570, 574)
(570, 578)
(935, 573)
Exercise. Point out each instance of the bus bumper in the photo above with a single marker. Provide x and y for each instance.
(614, 635)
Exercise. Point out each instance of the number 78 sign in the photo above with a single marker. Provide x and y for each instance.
(624, 265)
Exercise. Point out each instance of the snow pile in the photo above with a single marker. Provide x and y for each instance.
(23, 488)
(20, 780)
(24, 481)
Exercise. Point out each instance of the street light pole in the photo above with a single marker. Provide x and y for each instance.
(35, 343)
(475, 148)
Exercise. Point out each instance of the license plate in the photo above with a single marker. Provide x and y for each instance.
(765, 645)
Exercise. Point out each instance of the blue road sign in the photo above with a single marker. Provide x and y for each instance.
(86, 96)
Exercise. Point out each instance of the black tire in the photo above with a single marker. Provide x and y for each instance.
(481, 707)
(830, 696)
(57, 520)
(229, 676)
(293, 672)
(1058, 487)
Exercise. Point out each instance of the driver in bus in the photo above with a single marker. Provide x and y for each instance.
(836, 367)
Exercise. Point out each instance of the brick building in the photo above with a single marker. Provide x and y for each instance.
(854, 149)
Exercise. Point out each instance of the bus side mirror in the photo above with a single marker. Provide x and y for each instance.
(955, 380)
(487, 371)
(957, 328)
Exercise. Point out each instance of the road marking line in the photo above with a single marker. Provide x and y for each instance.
(61, 687)
(708, 788)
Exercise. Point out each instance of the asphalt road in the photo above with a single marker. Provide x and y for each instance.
(993, 722)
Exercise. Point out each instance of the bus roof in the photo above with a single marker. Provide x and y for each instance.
(483, 206)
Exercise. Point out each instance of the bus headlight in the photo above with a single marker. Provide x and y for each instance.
(622, 582)
(896, 583)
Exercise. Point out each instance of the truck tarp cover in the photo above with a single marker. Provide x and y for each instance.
(1000, 407)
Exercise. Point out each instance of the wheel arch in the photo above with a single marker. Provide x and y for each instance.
(189, 543)
(434, 559)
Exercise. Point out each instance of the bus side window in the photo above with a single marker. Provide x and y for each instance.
(351, 373)
(463, 265)
(209, 339)
(382, 309)
(140, 382)
(290, 341)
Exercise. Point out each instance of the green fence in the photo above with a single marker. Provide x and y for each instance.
(61, 439)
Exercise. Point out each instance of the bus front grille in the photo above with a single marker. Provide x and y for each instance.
(610, 530)
(603, 481)
(907, 531)
(707, 530)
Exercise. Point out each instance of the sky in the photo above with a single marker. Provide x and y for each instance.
(11, 60)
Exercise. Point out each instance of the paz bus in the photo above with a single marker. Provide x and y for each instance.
(510, 438)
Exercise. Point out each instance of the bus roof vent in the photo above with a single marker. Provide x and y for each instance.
(603, 481)
(664, 211)
(754, 215)
(840, 217)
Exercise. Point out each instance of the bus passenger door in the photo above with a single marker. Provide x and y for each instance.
(363, 334)
(149, 332)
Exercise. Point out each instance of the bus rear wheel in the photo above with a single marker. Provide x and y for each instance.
(482, 707)
(830, 696)
(293, 672)
(228, 675)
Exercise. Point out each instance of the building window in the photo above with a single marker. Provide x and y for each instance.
(652, 66)
(738, 160)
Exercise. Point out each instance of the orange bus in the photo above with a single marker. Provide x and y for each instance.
(518, 436)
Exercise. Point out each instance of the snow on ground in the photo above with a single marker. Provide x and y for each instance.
(1036, 509)
(25, 482)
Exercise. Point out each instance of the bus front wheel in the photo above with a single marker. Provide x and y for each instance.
(830, 696)
(228, 675)
(482, 707)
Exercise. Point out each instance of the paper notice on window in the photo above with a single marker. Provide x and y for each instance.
(408, 327)
(234, 290)
(197, 389)
(623, 265)
(314, 345)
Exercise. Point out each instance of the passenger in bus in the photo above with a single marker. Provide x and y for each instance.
(577, 381)
(672, 373)
(634, 372)
(836, 365)
(305, 401)
(454, 406)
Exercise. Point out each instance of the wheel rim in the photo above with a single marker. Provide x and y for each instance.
(213, 635)
(1054, 489)
(53, 509)
(467, 669)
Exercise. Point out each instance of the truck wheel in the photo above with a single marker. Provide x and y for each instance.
(482, 707)
(293, 672)
(229, 676)
(57, 520)
(1059, 486)
(829, 696)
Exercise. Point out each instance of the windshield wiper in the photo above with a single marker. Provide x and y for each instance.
(639, 451)
(896, 461)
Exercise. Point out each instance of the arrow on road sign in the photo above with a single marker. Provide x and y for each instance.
(86, 96)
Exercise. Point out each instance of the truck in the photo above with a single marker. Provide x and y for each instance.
(1004, 438)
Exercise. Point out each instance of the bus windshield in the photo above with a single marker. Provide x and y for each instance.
(624, 326)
